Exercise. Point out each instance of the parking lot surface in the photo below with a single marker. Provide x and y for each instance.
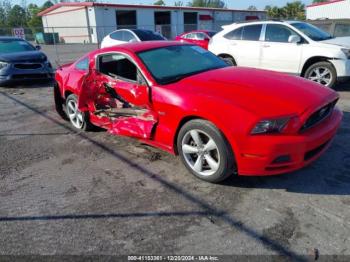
(65, 192)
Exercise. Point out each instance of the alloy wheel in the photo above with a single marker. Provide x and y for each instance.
(200, 152)
(321, 75)
(74, 114)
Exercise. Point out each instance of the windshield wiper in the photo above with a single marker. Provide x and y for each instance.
(180, 77)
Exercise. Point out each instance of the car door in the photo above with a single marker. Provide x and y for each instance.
(277, 52)
(244, 45)
(117, 93)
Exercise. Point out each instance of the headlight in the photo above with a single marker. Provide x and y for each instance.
(3, 65)
(270, 126)
(346, 52)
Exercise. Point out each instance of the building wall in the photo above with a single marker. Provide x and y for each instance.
(69, 22)
(91, 24)
(337, 10)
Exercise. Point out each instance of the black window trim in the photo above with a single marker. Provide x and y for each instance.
(303, 40)
(262, 33)
(139, 71)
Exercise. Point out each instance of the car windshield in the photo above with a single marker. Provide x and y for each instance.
(14, 45)
(312, 31)
(172, 63)
(147, 35)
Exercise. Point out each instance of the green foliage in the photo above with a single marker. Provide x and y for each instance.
(17, 16)
(293, 10)
(21, 16)
(178, 3)
(320, 1)
(207, 3)
(159, 2)
(252, 8)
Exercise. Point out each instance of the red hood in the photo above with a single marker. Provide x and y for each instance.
(263, 92)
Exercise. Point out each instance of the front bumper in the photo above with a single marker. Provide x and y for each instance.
(342, 67)
(15, 76)
(259, 156)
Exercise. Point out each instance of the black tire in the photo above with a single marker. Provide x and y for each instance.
(86, 124)
(59, 101)
(229, 60)
(226, 162)
(309, 73)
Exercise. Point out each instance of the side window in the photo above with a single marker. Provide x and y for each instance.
(235, 34)
(278, 33)
(83, 64)
(200, 36)
(342, 30)
(117, 35)
(127, 36)
(251, 32)
(189, 36)
(117, 66)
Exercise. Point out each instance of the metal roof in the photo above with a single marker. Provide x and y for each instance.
(94, 4)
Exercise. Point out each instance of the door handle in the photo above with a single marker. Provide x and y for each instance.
(233, 43)
(266, 45)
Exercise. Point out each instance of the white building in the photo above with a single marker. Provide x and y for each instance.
(90, 22)
(334, 9)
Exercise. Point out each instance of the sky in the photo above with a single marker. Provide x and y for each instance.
(236, 4)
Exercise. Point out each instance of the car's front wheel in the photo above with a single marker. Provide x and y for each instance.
(205, 151)
(77, 118)
(323, 73)
(229, 60)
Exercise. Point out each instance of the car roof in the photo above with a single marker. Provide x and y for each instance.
(263, 22)
(198, 31)
(138, 46)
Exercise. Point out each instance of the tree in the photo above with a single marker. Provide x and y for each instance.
(295, 10)
(46, 5)
(16, 16)
(159, 2)
(208, 3)
(252, 8)
(178, 3)
(34, 22)
(320, 1)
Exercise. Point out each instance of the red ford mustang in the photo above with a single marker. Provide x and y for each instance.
(198, 37)
(221, 120)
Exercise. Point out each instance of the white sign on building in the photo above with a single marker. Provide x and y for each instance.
(18, 32)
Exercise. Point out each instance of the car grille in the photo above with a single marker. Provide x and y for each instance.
(319, 116)
(30, 76)
(28, 66)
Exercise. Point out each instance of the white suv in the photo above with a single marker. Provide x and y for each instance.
(287, 46)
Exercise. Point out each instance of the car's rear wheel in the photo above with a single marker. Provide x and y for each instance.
(323, 73)
(205, 151)
(78, 119)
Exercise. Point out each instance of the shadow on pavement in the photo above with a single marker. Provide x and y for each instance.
(208, 209)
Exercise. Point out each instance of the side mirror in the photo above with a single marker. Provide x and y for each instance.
(132, 40)
(294, 39)
(38, 47)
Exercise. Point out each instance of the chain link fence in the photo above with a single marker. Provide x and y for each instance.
(66, 44)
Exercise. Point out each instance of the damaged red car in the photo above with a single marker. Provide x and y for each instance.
(221, 120)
